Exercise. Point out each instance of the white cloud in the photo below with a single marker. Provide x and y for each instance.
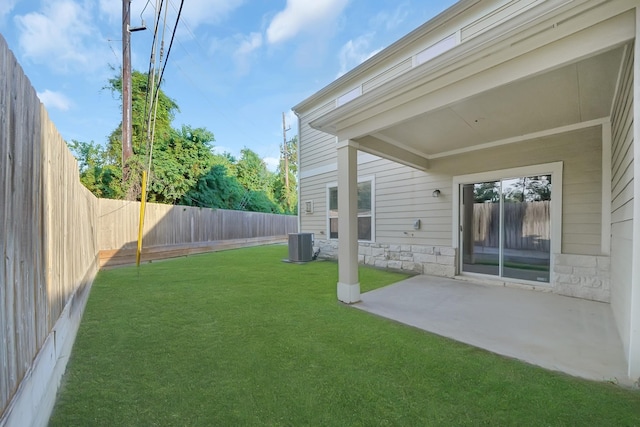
(55, 100)
(197, 12)
(303, 15)
(61, 36)
(113, 9)
(6, 6)
(391, 20)
(272, 163)
(240, 48)
(249, 44)
(219, 149)
(355, 52)
(194, 12)
(242, 55)
(292, 123)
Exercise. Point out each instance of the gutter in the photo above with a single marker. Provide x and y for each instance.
(420, 32)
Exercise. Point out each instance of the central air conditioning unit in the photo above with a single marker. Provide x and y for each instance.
(300, 247)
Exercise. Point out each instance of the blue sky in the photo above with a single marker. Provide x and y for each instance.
(235, 65)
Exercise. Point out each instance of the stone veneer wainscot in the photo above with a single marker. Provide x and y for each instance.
(433, 260)
(580, 276)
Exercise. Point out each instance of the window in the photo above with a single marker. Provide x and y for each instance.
(365, 211)
(508, 223)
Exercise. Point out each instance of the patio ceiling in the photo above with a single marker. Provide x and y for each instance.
(579, 92)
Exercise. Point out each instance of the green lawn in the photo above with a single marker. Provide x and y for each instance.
(240, 338)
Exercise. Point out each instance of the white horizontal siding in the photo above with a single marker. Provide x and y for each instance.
(316, 148)
(622, 182)
(580, 152)
(404, 194)
(315, 189)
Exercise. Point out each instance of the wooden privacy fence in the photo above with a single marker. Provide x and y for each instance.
(182, 230)
(527, 225)
(49, 239)
(52, 230)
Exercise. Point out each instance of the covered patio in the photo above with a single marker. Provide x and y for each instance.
(570, 335)
(526, 98)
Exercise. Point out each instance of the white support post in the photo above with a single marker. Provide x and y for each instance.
(348, 284)
(634, 318)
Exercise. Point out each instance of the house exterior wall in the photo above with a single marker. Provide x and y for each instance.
(599, 230)
(319, 148)
(403, 194)
(622, 184)
(580, 151)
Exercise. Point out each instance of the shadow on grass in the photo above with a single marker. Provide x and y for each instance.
(241, 338)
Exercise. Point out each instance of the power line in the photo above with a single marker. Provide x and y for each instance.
(153, 89)
(198, 65)
(229, 106)
(156, 92)
(144, 8)
(152, 63)
(173, 35)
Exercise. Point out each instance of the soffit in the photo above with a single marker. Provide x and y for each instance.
(575, 93)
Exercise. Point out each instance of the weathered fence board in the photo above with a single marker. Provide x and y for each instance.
(52, 229)
(166, 225)
(527, 225)
(47, 218)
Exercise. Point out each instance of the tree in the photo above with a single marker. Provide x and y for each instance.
(260, 201)
(178, 163)
(287, 197)
(252, 172)
(486, 192)
(215, 189)
(142, 129)
(140, 108)
(529, 189)
(183, 167)
(179, 156)
(100, 176)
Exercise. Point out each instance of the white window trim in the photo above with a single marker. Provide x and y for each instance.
(333, 184)
(554, 169)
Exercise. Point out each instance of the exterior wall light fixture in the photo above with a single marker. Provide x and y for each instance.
(436, 193)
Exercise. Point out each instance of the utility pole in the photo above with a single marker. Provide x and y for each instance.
(285, 154)
(127, 148)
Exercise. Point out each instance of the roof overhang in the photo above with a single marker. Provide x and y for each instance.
(553, 67)
(424, 30)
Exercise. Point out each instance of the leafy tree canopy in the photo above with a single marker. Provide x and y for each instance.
(184, 169)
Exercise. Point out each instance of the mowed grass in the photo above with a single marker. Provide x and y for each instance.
(239, 338)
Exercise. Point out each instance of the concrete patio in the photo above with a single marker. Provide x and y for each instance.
(559, 333)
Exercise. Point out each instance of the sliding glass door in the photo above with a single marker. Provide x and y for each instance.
(506, 227)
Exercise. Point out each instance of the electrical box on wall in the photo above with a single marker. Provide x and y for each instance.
(416, 224)
(308, 207)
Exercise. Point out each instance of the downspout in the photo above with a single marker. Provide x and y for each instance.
(298, 171)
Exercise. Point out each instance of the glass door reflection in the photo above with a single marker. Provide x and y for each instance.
(526, 230)
(506, 227)
(481, 228)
